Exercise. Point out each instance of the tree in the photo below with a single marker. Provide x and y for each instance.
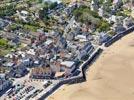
(52, 5)
(85, 15)
(3, 43)
(104, 26)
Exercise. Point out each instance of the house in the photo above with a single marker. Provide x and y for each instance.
(128, 22)
(119, 19)
(85, 51)
(36, 62)
(81, 38)
(117, 3)
(103, 37)
(72, 48)
(23, 15)
(52, 1)
(112, 19)
(4, 83)
(15, 41)
(119, 28)
(68, 65)
(2, 60)
(31, 52)
(55, 34)
(55, 66)
(94, 5)
(48, 42)
(70, 36)
(9, 64)
(18, 71)
(62, 43)
(3, 23)
(28, 62)
(61, 20)
(41, 73)
(67, 11)
(101, 11)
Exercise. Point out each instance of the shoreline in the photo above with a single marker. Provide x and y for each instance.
(66, 88)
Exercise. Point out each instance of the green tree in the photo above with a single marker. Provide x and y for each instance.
(104, 26)
(85, 15)
(3, 43)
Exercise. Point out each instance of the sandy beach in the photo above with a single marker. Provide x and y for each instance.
(111, 77)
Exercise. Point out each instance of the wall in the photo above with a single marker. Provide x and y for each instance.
(118, 36)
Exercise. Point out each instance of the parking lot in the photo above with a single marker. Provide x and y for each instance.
(26, 89)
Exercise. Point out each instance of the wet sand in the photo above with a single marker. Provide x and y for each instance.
(111, 77)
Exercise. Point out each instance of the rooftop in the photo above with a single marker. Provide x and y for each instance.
(68, 63)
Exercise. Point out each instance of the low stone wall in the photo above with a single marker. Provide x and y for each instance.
(73, 80)
(118, 36)
(90, 61)
(50, 91)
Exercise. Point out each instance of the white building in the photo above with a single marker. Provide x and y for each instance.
(101, 12)
(23, 15)
(128, 22)
(69, 65)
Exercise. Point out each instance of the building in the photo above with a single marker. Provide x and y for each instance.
(101, 12)
(28, 62)
(52, 1)
(3, 23)
(68, 65)
(103, 37)
(81, 38)
(62, 43)
(70, 36)
(4, 83)
(119, 28)
(23, 15)
(41, 73)
(117, 3)
(18, 71)
(85, 51)
(128, 22)
(94, 5)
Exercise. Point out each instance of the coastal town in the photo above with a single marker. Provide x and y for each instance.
(47, 43)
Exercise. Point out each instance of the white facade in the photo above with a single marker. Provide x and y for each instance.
(69, 65)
